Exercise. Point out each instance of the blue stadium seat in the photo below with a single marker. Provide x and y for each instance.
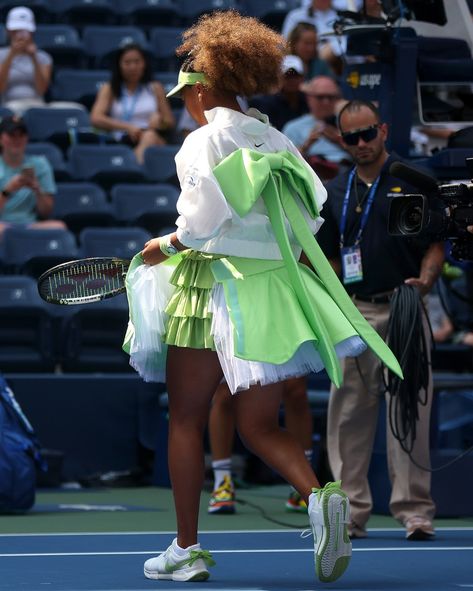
(62, 42)
(80, 13)
(152, 207)
(42, 9)
(159, 163)
(81, 86)
(190, 10)
(92, 336)
(168, 80)
(105, 165)
(54, 156)
(26, 327)
(113, 242)
(62, 127)
(270, 12)
(101, 43)
(32, 251)
(149, 13)
(5, 112)
(82, 205)
(163, 43)
(449, 164)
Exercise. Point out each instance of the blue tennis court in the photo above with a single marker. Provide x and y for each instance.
(246, 560)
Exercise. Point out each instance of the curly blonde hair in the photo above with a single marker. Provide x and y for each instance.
(237, 54)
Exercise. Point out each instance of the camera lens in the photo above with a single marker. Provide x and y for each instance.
(410, 219)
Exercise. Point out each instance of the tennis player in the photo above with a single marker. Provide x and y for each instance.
(231, 299)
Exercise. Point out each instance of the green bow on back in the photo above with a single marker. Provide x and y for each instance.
(246, 175)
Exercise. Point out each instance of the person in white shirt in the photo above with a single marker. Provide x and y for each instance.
(25, 71)
(133, 106)
(239, 305)
(322, 15)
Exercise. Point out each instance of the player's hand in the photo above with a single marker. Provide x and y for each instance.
(151, 253)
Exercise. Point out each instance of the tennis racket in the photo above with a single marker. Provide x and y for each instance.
(83, 281)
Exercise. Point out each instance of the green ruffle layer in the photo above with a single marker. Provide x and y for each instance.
(189, 319)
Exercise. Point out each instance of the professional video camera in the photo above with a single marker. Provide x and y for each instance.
(442, 214)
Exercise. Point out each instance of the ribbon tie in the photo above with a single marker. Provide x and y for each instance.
(244, 176)
(204, 555)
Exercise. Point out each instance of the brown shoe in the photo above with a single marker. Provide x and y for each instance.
(419, 528)
(355, 531)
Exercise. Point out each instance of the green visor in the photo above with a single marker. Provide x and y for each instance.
(186, 79)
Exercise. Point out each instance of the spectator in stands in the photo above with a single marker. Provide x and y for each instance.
(321, 14)
(289, 102)
(132, 105)
(302, 41)
(27, 184)
(25, 71)
(316, 134)
(372, 265)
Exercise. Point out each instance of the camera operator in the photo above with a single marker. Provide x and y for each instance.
(372, 264)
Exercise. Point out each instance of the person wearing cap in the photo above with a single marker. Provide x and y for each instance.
(25, 71)
(289, 102)
(316, 134)
(230, 299)
(27, 184)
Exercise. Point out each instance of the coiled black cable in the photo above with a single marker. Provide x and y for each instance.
(407, 340)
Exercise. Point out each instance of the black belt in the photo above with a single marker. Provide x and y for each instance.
(374, 299)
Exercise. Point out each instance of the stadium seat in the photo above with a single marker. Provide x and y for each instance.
(163, 43)
(3, 36)
(190, 10)
(149, 206)
(80, 86)
(113, 242)
(105, 165)
(54, 156)
(159, 164)
(63, 127)
(62, 42)
(5, 112)
(42, 9)
(168, 80)
(148, 13)
(26, 327)
(92, 336)
(82, 205)
(33, 251)
(449, 164)
(81, 13)
(270, 12)
(101, 43)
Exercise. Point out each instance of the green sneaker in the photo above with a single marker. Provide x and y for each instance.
(329, 515)
(173, 567)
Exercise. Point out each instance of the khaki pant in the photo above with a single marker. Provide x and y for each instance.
(351, 428)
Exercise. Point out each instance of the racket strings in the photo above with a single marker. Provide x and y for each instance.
(86, 280)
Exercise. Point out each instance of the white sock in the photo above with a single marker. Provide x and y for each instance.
(309, 454)
(221, 469)
(181, 552)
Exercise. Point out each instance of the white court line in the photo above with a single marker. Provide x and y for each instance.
(239, 551)
(216, 531)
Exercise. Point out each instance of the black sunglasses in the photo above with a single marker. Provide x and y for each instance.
(367, 134)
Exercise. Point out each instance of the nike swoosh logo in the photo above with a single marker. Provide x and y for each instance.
(258, 145)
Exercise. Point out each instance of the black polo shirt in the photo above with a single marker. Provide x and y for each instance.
(387, 260)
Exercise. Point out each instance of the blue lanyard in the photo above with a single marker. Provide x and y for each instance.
(129, 106)
(366, 210)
